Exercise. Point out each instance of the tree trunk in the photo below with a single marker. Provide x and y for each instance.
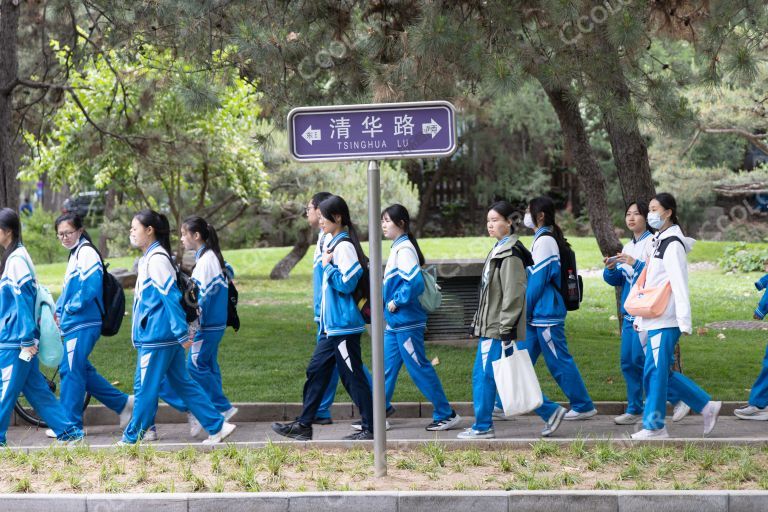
(9, 68)
(109, 207)
(426, 198)
(630, 152)
(566, 107)
(283, 268)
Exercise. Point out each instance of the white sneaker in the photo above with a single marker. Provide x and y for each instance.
(125, 414)
(651, 434)
(151, 434)
(50, 433)
(577, 416)
(498, 415)
(627, 419)
(229, 413)
(358, 425)
(751, 412)
(446, 424)
(226, 430)
(680, 411)
(710, 412)
(554, 421)
(121, 443)
(194, 426)
(471, 433)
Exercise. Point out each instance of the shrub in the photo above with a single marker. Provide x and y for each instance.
(740, 258)
(38, 233)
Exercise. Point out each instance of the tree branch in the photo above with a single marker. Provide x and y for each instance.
(756, 140)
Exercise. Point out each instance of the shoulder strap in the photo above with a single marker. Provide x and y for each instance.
(665, 243)
(89, 244)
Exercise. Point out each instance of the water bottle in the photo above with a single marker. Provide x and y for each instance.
(573, 287)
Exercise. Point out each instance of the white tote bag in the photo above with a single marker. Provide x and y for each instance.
(516, 382)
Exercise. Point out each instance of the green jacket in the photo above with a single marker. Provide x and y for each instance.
(501, 311)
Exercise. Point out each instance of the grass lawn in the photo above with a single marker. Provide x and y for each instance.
(266, 360)
(544, 465)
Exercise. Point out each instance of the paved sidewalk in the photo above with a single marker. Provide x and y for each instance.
(407, 432)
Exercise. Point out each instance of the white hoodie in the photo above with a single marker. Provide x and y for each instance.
(673, 267)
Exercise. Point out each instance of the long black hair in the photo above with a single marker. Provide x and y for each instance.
(545, 205)
(398, 214)
(9, 221)
(197, 224)
(506, 210)
(336, 206)
(668, 202)
(642, 208)
(159, 222)
(77, 222)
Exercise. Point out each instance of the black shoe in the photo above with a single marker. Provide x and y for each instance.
(322, 421)
(363, 435)
(391, 411)
(294, 430)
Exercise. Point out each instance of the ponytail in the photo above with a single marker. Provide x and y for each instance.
(545, 205)
(399, 215)
(197, 224)
(336, 206)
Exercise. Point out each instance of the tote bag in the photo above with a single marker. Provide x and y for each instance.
(647, 302)
(516, 382)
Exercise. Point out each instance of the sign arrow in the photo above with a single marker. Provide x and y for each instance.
(311, 135)
(431, 128)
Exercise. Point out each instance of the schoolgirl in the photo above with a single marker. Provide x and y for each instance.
(160, 334)
(500, 316)
(342, 323)
(406, 319)
(19, 370)
(757, 408)
(546, 309)
(79, 313)
(667, 263)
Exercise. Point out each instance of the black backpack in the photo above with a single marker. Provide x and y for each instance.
(362, 293)
(571, 286)
(113, 298)
(233, 319)
(189, 291)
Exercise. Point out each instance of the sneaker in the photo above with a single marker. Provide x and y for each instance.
(122, 443)
(471, 433)
(578, 416)
(446, 424)
(294, 430)
(194, 426)
(749, 412)
(498, 415)
(151, 434)
(50, 433)
(680, 411)
(710, 412)
(230, 413)
(650, 434)
(358, 425)
(363, 435)
(627, 419)
(322, 421)
(553, 423)
(125, 414)
(391, 411)
(226, 430)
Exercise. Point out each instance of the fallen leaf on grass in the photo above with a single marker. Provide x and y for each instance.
(701, 331)
(721, 336)
(436, 361)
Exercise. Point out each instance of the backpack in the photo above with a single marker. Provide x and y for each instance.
(50, 347)
(233, 319)
(113, 298)
(432, 297)
(362, 293)
(571, 286)
(189, 291)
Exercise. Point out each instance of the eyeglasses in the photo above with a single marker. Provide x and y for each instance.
(66, 234)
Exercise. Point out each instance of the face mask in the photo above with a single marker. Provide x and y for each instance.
(528, 221)
(655, 220)
(74, 244)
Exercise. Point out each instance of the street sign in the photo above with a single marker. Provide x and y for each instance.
(385, 131)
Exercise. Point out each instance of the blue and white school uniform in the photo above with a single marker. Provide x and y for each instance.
(79, 309)
(158, 331)
(404, 330)
(667, 263)
(758, 396)
(18, 329)
(343, 324)
(546, 325)
(324, 411)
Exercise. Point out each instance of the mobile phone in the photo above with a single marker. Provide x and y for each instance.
(612, 259)
(25, 355)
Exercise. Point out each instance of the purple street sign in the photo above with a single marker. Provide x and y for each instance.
(382, 131)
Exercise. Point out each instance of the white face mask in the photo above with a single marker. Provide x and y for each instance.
(74, 244)
(655, 220)
(528, 221)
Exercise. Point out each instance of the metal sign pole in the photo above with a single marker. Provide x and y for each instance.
(377, 319)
